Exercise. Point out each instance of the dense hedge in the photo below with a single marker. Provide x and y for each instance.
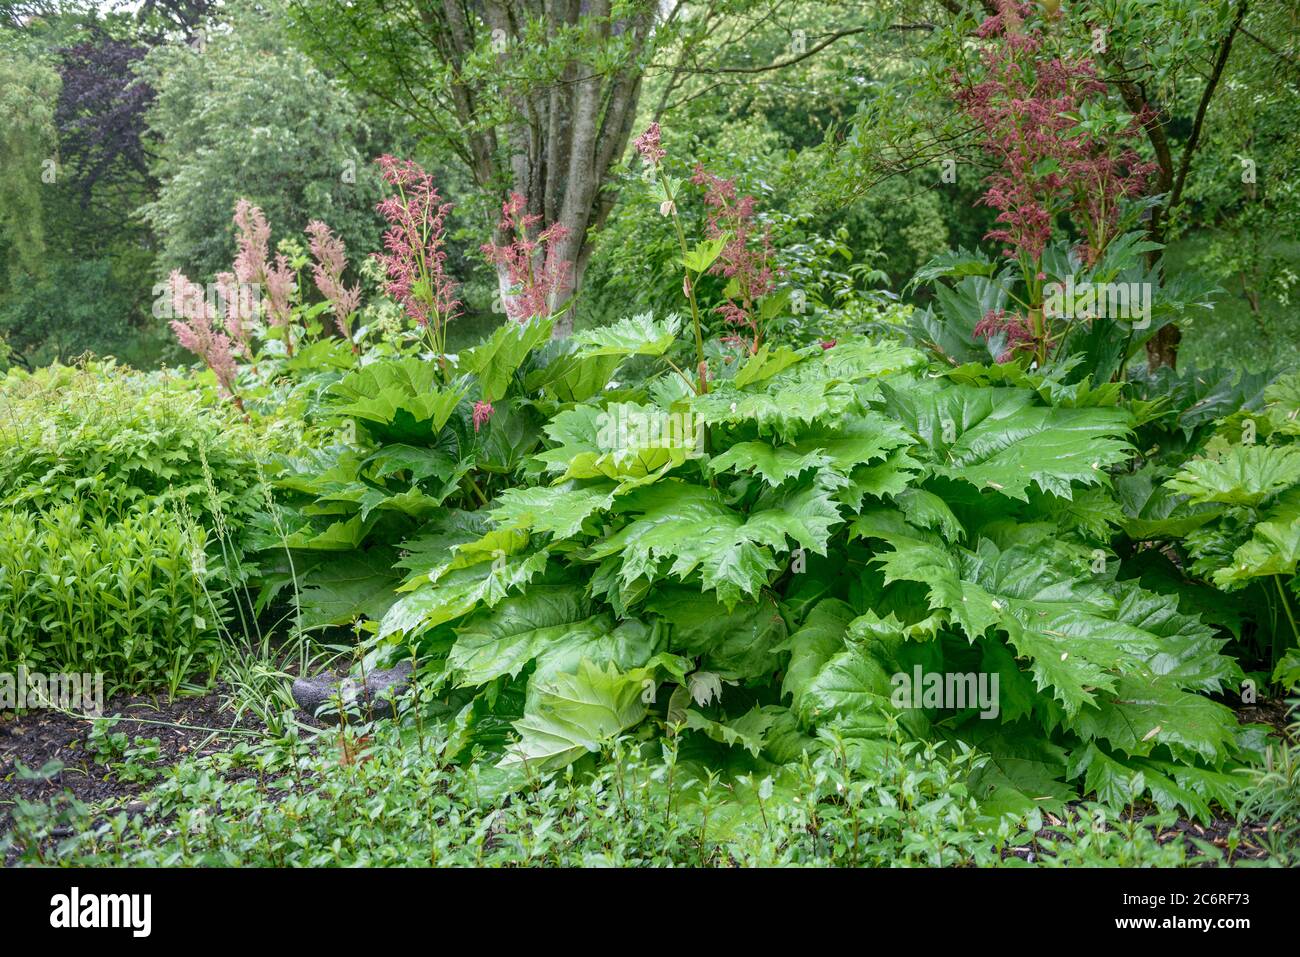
(109, 438)
(124, 497)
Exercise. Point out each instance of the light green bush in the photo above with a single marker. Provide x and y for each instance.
(126, 597)
(124, 498)
(109, 439)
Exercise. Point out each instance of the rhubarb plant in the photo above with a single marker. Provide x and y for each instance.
(856, 520)
(1232, 510)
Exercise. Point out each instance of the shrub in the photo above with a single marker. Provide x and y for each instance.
(109, 439)
(123, 501)
(850, 519)
(85, 593)
(764, 553)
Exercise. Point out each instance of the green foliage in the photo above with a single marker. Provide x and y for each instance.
(74, 307)
(1250, 248)
(833, 257)
(405, 459)
(573, 714)
(1246, 330)
(1230, 497)
(125, 498)
(122, 596)
(396, 802)
(73, 259)
(1273, 797)
(1080, 341)
(752, 571)
(29, 89)
(303, 153)
(731, 570)
(107, 439)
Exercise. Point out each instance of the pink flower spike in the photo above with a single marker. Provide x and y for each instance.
(647, 144)
(253, 240)
(746, 257)
(482, 412)
(195, 331)
(531, 263)
(240, 307)
(1023, 102)
(331, 260)
(416, 257)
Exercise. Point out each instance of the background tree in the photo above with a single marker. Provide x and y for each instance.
(766, 96)
(29, 90)
(536, 98)
(86, 286)
(836, 116)
(238, 114)
(1168, 61)
(1240, 213)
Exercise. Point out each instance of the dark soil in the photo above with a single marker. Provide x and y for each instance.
(1216, 833)
(37, 737)
(1270, 711)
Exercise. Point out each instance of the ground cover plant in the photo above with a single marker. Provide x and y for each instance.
(399, 804)
(783, 560)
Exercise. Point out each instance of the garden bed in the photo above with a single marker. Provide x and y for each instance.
(113, 778)
(36, 739)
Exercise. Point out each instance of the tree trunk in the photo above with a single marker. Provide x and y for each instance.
(563, 138)
(1162, 348)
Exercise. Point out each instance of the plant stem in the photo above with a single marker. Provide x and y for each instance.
(1286, 606)
(477, 491)
(690, 286)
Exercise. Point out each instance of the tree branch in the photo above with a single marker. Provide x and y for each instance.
(1225, 48)
(781, 64)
